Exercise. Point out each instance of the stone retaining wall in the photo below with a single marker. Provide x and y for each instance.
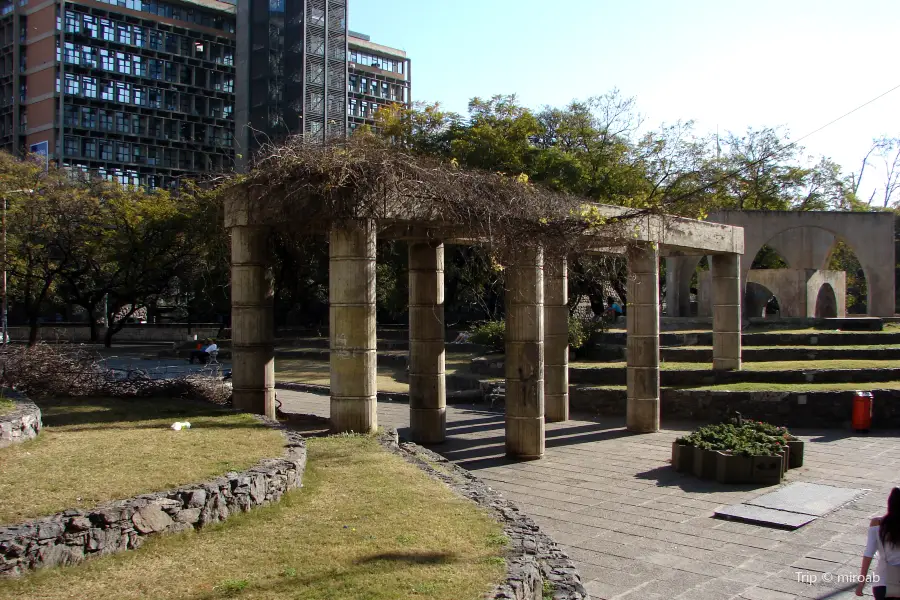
(756, 354)
(790, 409)
(22, 423)
(698, 377)
(75, 535)
(532, 557)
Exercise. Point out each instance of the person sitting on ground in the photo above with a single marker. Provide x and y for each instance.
(614, 310)
(462, 338)
(883, 541)
(203, 353)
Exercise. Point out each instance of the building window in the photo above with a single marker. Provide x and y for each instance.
(71, 146)
(72, 86)
(106, 150)
(107, 92)
(107, 30)
(123, 152)
(89, 87)
(124, 32)
(138, 36)
(123, 62)
(123, 123)
(107, 62)
(140, 98)
(88, 118)
(90, 25)
(140, 67)
(353, 83)
(89, 149)
(70, 116)
(72, 22)
(106, 120)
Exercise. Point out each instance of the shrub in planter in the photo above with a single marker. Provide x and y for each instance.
(682, 457)
(740, 452)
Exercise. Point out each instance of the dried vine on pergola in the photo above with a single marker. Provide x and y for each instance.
(304, 188)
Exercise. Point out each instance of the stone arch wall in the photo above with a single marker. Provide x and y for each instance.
(869, 234)
(826, 302)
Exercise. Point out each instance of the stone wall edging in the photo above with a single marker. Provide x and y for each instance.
(74, 535)
(533, 557)
(22, 423)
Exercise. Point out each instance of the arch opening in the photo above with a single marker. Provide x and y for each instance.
(826, 302)
(760, 301)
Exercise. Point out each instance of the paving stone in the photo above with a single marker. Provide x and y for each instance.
(748, 513)
(631, 525)
(807, 498)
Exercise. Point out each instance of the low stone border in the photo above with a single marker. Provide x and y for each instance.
(453, 397)
(532, 558)
(75, 535)
(22, 423)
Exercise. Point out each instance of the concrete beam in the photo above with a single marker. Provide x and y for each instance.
(725, 271)
(642, 322)
(252, 325)
(556, 340)
(427, 385)
(351, 289)
(525, 354)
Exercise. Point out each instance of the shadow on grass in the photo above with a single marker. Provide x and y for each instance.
(360, 568)
(64, 412)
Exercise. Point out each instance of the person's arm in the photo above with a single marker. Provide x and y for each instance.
(868, 553)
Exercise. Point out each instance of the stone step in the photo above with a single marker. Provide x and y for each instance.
(825, 409)
(774, 338)
(617, 376)
(755, 354)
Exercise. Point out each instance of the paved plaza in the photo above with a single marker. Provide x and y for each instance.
(637, 529)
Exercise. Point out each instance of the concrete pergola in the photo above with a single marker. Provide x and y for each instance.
(536, 313)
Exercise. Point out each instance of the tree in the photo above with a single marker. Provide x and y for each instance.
(887, 149)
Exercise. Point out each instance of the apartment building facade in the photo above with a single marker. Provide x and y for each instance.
(378, 76)
(145, 92)
(141, 92)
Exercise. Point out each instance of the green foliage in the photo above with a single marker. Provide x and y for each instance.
(491, 334)
(749, 438)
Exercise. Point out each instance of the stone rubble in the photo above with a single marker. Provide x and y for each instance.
(533, 557)
(74, 535)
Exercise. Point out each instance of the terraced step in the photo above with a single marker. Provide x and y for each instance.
(774, 338)
(796, 353)
(698, 377)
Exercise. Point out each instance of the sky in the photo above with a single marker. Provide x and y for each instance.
(726, 65)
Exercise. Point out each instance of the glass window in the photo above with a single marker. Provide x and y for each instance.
(124, 32)
(123, 92)
(123, 63)
(140, 98)
(72, 86)
(90, 25)
(107, 91)
(138, 36)
(106, 150)
(106, 120)
(107, 62)
(89, 87)
(107, 29)
(71, 146)
(88, 118)
(72, 22)
(89, 148)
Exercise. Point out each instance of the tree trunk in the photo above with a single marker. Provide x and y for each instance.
(33, 330)
(92, 322)
(107, 339)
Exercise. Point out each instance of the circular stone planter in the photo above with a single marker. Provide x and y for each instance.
(22, 423)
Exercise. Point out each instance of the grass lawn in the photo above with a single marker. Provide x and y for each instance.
(777, 365)
(6, 405)
(390, 378)
(96, 449)
(366, 525)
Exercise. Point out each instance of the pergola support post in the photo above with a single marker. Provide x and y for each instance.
(525, 354)
(556, 340)
(427, 385)
(726, 299)
(351, 289)
(252, 324)
(642, 321)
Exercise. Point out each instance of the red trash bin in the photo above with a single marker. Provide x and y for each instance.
(862, 411)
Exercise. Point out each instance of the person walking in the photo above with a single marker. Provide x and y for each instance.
(884, 541)
(203, 353)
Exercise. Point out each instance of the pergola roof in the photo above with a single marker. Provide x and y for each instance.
(304, 188)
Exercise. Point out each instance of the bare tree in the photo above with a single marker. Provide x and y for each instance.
(886, 149)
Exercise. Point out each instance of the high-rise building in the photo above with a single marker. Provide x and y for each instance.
(146, 91)
(139, 91)
(293, 56)
(379, 75)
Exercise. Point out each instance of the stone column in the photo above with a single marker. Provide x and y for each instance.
(351, 292)
(642, 321)
(679, 271)
(726, 299)
(427, 387)
(556, 340)
(252, 324)
(525, 354)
